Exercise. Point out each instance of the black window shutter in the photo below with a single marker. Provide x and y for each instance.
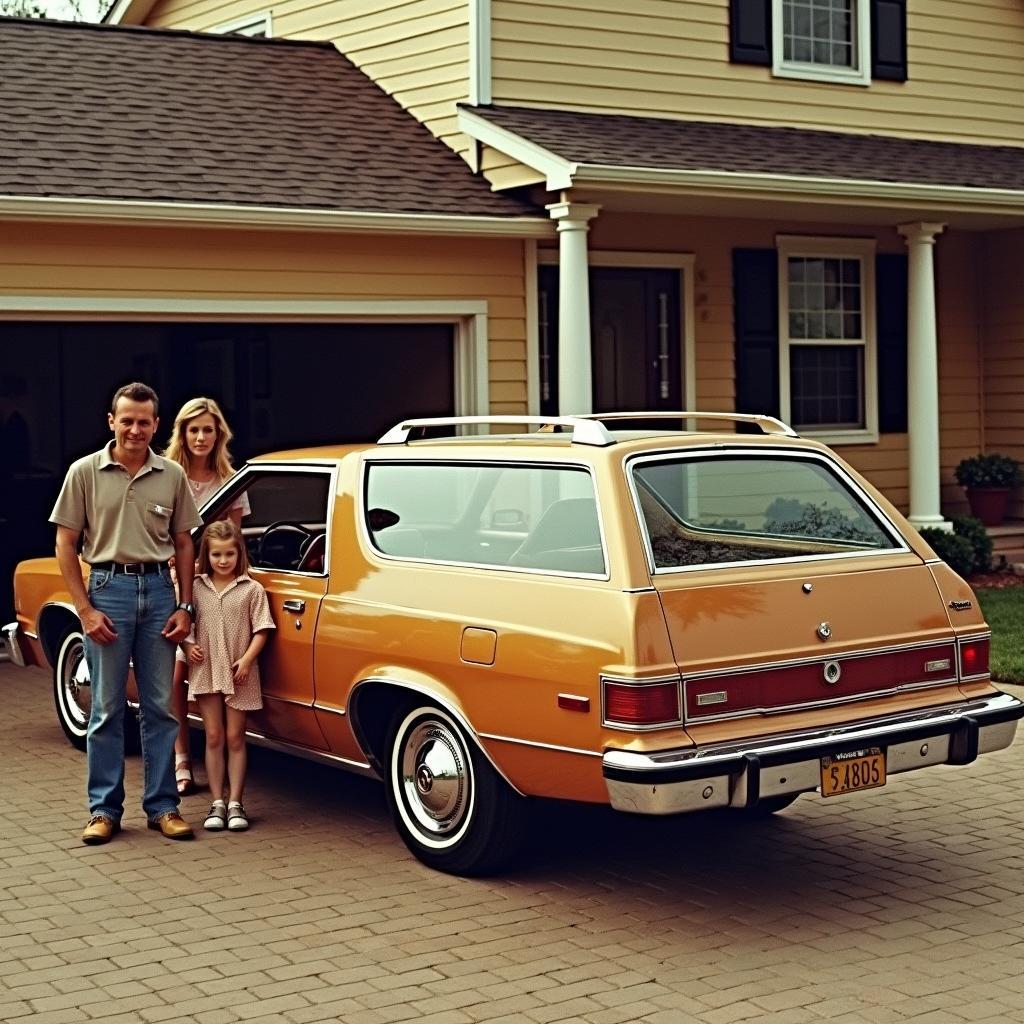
(755, 287)
(891, 321)
(889, 40)
(750, 31)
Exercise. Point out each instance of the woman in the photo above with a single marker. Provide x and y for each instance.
(199, 444)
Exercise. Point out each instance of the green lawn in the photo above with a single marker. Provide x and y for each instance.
(1004, 610)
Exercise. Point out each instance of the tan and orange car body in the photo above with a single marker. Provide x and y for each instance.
(521, 659)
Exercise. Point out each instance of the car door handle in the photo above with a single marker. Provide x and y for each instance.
(294, 606)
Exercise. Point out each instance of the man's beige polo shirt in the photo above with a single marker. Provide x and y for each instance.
(124, 518)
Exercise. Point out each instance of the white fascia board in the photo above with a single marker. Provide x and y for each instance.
(222, 215)
(129, 12)
(558, 171)
(948, 197)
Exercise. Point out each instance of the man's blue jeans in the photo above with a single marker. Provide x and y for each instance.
(139, 607)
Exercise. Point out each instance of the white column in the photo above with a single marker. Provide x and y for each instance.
(575, 391)
(923, 377)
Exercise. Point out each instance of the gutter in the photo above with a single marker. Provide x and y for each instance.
(116, 211)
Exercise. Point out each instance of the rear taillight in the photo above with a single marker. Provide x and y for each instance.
(641, 704)
(974, 657)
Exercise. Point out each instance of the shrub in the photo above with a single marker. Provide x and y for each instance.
(954, 550)
(973, 531)
(992, 470)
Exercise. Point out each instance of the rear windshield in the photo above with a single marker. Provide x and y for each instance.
(504, 516)
(731, 508)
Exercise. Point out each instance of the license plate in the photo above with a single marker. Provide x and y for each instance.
(849, 773)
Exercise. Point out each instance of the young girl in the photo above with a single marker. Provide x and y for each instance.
(230, 629)
(199, 444)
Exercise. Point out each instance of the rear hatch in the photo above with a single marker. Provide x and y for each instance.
(785, 587)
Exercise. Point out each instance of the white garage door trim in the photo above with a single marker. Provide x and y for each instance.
(468, 317)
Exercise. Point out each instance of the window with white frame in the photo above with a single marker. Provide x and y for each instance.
(827, 336)
(822, 39)
(258, 26)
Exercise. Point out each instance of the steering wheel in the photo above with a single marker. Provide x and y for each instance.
(298, 532)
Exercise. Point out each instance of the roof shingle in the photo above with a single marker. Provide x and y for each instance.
(111, 112)
(623, 141)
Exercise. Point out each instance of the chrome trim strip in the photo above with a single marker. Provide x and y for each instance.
(538, 745)
(455, 712)
(32, 636)
(367, 540)
(330, 711)
(812, 660)
(787, 451)
(853, 698)
(320, 756)
(290, 700)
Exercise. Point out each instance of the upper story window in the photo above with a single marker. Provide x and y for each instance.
(824, 39)
(841, 41)
(259, 26)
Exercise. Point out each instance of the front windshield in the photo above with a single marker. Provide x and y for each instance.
(741, 507)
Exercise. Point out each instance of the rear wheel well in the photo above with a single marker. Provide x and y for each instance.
(372, 711)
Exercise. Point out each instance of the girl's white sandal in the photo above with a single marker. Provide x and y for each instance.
(237, 821)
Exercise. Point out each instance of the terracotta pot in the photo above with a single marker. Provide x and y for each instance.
(989, 503)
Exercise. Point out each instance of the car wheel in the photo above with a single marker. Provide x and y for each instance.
(72, 693)
(451, 808)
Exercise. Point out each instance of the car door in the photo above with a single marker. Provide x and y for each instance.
(285, 531)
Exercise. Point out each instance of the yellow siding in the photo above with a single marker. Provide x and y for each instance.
(1003, 348)
(156, 263)
(416, 50)
(668, 59)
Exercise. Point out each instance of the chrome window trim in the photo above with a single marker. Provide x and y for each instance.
(632, 462)
(367, 540)
(236, 483)
(673, 677)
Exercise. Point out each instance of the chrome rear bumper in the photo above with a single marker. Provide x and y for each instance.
(17, 655)
(740, 774)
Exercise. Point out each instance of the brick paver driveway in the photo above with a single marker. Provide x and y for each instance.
(907, 903)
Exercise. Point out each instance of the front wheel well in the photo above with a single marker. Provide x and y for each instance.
(54, 622)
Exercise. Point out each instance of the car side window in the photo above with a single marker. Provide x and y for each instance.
(287, 521)
(493, 515)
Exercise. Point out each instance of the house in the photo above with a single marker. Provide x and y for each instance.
(248, 218)
(754, 192)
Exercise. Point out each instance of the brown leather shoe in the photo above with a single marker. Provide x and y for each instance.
(100, 829)
(173, 826)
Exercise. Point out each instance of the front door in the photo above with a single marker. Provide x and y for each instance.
(635, 339)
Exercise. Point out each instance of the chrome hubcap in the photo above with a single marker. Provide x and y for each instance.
(435, 778)
(77, 689)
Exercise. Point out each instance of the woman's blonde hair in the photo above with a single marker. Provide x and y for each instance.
(223, 529)
(177, 450)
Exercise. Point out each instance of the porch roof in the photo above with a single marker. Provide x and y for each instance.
(135, 115)
(576, 148)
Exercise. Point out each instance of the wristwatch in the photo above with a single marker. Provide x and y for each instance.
(184, 606)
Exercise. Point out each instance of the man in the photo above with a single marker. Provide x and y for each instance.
(133, 510)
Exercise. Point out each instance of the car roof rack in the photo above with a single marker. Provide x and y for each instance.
(768, 424)
(584, 430)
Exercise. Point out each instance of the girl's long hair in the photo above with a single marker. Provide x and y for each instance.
(177, 450)
(223, 529)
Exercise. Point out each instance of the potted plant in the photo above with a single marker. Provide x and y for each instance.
(988, 480)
